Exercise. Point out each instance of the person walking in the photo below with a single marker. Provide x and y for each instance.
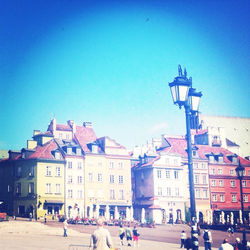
(121, 234)
(207, 237)
(129, 235)
(183, 238)
(65, 227)
(45, 218)
(136, 237)
(226, 246)
(100, 239)
(238, 245)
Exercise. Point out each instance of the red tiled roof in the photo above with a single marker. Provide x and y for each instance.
(150, 162)
(84, 136)
(44, 151)
(63, 127)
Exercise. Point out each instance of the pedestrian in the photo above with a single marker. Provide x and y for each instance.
(129, 235)
(45, 218)
(136, 237)
(30, 215)
(207, 237)
(188, 243)
(238, 245)
(226, 246)
(65, 227)
(121, 234)
(100, 239)
(183, 238)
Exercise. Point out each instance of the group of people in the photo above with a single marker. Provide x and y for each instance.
(129, 234)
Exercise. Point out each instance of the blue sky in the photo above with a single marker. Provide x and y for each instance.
(109, 62)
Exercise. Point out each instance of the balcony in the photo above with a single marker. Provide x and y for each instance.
(216, 143)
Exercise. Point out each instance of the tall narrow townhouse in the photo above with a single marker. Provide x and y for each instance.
(159, 189)
(37, 178)
(108, 180)
(178, 145)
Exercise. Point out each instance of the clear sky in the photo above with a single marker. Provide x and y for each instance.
(110, 62)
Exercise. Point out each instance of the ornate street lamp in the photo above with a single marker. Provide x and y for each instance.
(240, 171)
(184, 95)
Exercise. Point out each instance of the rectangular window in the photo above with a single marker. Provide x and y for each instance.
(197, 193)
(177, 192)
(79, 165)
(244, 183)
(160, 191)
(79, 194)
(112, 194)
(58, 171)
(120, 179)
(31, 188)
(31, 173)
(245, 198)
(213, 171)
(222, 198)
(19, 172)
(232, 172)
(221, 184)
(196, 179)
(111, 178)
(121, 194)
(18, 188)
(195, 165)
(232, 183)
(70, 179)
(167, 161)
(167, 174)
(79, 179)
(248, 172)
(48, 188)
(120, 165)
(90, 177)
(78, 151)
(205, 193)
(99, 164)
(58, 188)
(100, 193)
(111, 165)
(90, 193)
(70, 193)
(234, 198)
(213, 183)
(159, 174)
(168, 191)
(214, 197)
(220, 171)
(70, 164)
(204, 179)
(48, 171)
(99, 177)
(176, 174)
(203, 166)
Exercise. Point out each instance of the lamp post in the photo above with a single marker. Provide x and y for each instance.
(184, 95)
(240, 171)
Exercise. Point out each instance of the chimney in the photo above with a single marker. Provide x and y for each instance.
(72, 125)
(87, 124)
(36, 132)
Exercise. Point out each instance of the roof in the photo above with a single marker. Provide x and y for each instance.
(63, 127)
(231, 144)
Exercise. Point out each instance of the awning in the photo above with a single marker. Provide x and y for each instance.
(53, 202)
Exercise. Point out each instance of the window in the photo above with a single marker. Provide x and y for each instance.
(69, 151)
(222, 198)
(69, 164)
(99, 163)
(31, 173)
(245, 198)
(205, 193)
(90, 177)
(48, 188)
(213, 171)
(220, 159)
(57, 155)
(78, 151)
(31, 188)
(79, 179)
(70, 179)
(112, 194)
(197, 193)
(221, 184)
(70, 193)
(121, 194)
(99, 177)
(175, 162)
(194, 154)
(232, 172)
(160, 191)
(244, 183)
(111, 178)
(248, 172)
(232, 183)
(176, 174)
(220, 171)
(94, 149)
(100, 193)
(120, 165)
(58, 171)
(213, 183)
(214, 197)
(111, 165)
(120, 179)
(159, 174)
(79, 165)
(204, 179)
(234, 198)
(58, 188)
(167, 174)
(167, 161)
(196, 179)
(203, 166)
(177, 192)
(195, 165)
(90, 193)
(18, 188)
(79, 194)
(48, 171)
(168, 191)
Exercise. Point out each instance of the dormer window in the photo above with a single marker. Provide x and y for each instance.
(94, 149)
(69, 151)
(234, 160)
(211, 158)
(78, 151)
(57, 155)
(194, 153)
(220, 158)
